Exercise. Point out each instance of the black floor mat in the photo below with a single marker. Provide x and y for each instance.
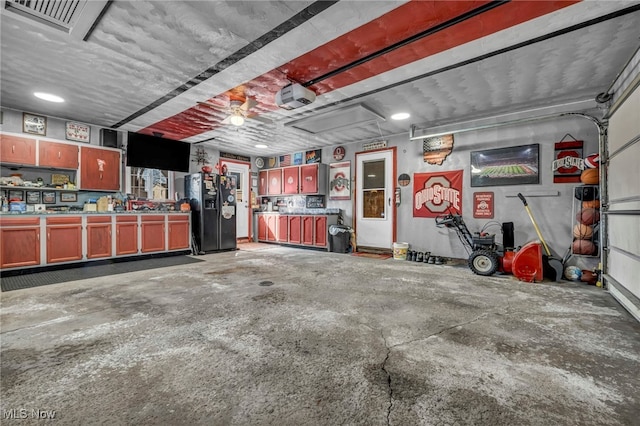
(28, 280)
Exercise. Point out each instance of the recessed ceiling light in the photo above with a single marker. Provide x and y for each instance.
(400, 116)
(48, 97)
(261, 145)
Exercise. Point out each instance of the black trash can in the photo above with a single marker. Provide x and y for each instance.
(339, 238)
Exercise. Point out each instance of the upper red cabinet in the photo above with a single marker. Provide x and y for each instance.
(305, 179)
(58, 155)
(100, 169)
(275, 181)
(263, 182)
(290, 180)
(17, 150)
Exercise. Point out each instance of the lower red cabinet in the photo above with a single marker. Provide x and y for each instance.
(98, 237)
(126, 235)
(179, 232)
(152, 230)
(19, 242)
(64, 239)
(307, 230)
(294, 230)
(320, 230)
(283, 229)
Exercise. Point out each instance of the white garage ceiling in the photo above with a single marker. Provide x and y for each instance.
(148, 65)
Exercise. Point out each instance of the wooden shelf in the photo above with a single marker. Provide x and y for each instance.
(36, 188)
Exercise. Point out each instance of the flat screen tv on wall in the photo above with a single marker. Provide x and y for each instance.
(153, 152)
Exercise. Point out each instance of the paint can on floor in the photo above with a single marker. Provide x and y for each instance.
(400, 251)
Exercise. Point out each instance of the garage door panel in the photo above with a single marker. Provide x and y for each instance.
(625, 270)
(619, 233)
(624, 125)
(624, 173)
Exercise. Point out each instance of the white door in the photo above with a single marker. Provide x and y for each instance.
(375, 206)
(241, 173)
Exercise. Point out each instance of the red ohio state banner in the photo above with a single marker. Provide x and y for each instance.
(437, 193)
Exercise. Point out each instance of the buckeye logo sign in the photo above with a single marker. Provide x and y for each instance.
(437, 193)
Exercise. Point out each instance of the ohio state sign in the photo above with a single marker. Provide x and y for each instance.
(437, 193)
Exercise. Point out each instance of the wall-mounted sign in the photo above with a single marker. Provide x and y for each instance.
(404, 179)
(340, 181)
(437, 193)
(483, 205)
(78, 132)
(374, 145)
(338, 153)
(284, 160)
(568, 163)
(435, 150)
(34, 124)
(235, 157)
(297, 158)
(313, 156)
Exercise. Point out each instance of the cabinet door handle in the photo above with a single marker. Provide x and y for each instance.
(59, 155)
(13, 149)
(48, 235)
(38, 236)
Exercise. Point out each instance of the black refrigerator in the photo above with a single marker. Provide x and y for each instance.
(213, 210)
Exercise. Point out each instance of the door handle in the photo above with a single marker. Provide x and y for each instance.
(58, 155)
(389, 200)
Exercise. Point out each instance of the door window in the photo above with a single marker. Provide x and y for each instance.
(373, 189)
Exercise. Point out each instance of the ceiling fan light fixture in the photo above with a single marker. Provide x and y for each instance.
(236, 120)
(400, 116)
(48, 97)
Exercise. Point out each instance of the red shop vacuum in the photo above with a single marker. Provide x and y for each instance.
(486, 257)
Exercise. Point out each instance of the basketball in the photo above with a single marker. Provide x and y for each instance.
(572, 273)
(588, 216)
(585, 247)
(592, 161)
(588, 277)
(593, 204)
(582, 232)
(590, 177)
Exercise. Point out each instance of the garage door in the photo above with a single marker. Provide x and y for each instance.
(622, 264)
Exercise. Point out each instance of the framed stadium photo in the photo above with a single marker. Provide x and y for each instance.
(514, 165)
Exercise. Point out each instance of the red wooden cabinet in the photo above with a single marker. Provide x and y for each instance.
(283, 229)
(263, 182)
(19, 242)
(126, 235)
(294, 229)
(290, 180)
(64, 239)
(58, 155)
(274, 177)
(152, 233)
(100, 169)
(320, 230)
(17, 150)
(309, 179)
(262, 227)
(179, 232)
(98, 237)
(272, 223)
(307, 230)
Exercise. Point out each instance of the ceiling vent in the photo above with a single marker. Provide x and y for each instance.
(337, 119)
(74, 17)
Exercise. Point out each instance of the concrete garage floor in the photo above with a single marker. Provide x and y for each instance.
(336, 339)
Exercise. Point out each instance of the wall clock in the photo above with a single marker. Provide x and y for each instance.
(34, 124)
(259, 162)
